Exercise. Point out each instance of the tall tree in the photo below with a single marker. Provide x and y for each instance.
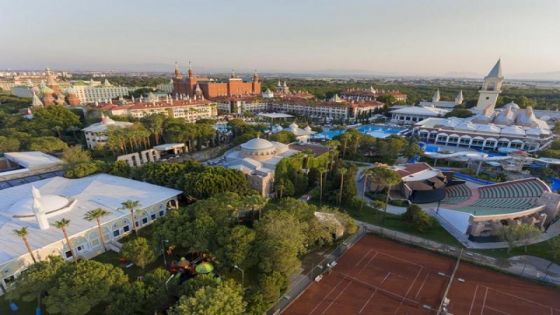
(139, 252)
(131, 206)
(96, 214)
(342, 171)
(22, 233)
(322, 171)
(224, 299)
(62, 224)
(385, 178)
(57, 118)
(154, 123)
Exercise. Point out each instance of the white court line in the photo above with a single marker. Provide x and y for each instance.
(363, 257)
(484, 301)
(520, 298)
(409, 288)
(404, 260)
(422, 286)
(372, 294)
(327, 296)
(497, 311)
(473, 299)
(337, 296)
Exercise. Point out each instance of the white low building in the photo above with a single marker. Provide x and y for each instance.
(96, 134)
(302, 134)
(408, 115)
(91, 93)
(15, 165)
(438, 103)
(37, 206)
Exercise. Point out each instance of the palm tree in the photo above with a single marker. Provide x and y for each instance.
(386, 178)
(63, 224)
(322, 171)
(366, 173)
(22, 233)
(341, 171)
(96, 214)
(131, 206)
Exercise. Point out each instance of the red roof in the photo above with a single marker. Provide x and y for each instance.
(158, 104)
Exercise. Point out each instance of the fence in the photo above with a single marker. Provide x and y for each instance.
(519, 269)
(305, 280)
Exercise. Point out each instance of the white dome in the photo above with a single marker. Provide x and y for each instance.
(49, 203)
(489, 128)
(466, 126)
(257, 144)
(307, 128)
(513, 130)
(505, 117)
(512, 106)
(294, 126)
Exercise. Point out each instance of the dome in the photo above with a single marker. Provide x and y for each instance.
(527, 118)
(50, 204)
(512, 106)
(513, 130)
(489, 128)
(505, 117)
(466, 126)
(294, 126)
(257, 144)
(307, 128)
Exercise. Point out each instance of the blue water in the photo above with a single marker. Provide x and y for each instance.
(375, 131)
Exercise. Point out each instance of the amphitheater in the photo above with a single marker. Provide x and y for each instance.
(480, 212)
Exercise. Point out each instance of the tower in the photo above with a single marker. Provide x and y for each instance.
(436, 96)
(491, 88)
(38, 210)
(459, 98)
(256, 84)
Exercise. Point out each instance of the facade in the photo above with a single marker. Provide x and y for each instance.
(242, 104)
(479, 213)
(372, 94)
(438, 103)
(334, 109)
(89, 94)
(96, 134)
(409, 115)
(509, 128)
(36, 206)
(189, 109)
(194, 85)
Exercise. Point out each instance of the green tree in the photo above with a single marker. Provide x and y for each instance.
(63, 224)
(96, 214)
(272, 286)
(139, 252)
(224, 299)
(459, 111)
(47, 144)
(37, 279)
(80, 287)
(518, 234)
(154, 123)
(280, 238)
(56, 118)
(234, 245)
(384, 177)
(341, 171)
(284, 137)
(9, 144)
(23, 233)
(418, 218)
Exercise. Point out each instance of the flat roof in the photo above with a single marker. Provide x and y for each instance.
(97, 191)
(275, 115)
(32, 159)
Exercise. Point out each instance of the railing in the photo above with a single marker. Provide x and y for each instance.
(472, 179)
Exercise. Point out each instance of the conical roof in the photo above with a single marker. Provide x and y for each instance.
(496, 71)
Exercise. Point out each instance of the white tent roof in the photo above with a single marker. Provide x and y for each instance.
(32, 159)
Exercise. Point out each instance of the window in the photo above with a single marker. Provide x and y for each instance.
(161, 213)
(68, 254)
(9, 280)
(80, 248)
(144, 220)
(153, 216)
(126, 228)
(116, 233)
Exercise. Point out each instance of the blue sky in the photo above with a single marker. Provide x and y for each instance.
(397, 36)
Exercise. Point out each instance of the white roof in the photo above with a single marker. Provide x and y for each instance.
(275, 115)
(97, 191)
(421, 110)
(32, 159)
(257, 144)
(422, 175)
(104, 124)
(168, 146)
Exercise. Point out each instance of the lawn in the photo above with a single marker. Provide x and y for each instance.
(542, 250)
(394, 222)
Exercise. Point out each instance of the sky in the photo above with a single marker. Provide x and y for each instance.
(407, 37)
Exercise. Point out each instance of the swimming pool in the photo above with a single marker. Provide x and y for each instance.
(376, 131)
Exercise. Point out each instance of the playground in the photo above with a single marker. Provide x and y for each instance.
(378, 276)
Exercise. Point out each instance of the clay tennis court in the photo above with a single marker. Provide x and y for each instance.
(378, 276)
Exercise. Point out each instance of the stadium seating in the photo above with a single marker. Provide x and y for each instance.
(456, 194)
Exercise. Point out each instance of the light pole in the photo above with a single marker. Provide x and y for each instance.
(242, 274)
(163, 242)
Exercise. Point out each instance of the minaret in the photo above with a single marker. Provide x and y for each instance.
(459, 98)
(40, 214)
(178, 74)
(436, 96)
(491, 88)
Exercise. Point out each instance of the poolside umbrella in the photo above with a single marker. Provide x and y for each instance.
(183, 263)
(204, 268)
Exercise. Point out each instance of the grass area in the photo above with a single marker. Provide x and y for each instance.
(394, 222)
(542, 250)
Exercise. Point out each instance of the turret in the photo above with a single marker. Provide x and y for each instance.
(38, 210)
(436, 96)
(459, 98)
(491, 87)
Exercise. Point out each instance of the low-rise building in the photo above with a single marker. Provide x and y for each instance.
(37, 206)
(96, 134)
(409, 115)
(91, 93)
